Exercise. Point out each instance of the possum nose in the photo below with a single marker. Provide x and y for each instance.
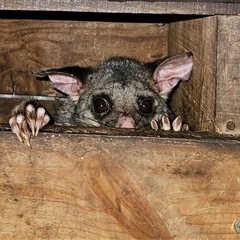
(125, 122)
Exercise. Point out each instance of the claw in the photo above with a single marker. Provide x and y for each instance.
(19, 137)
(30, 113)
(32, 127)
(33, 132)
(165, 123)
(42, 119)
(185, 127)
(154, 124)
(26, 120)
(28, 141)
(177, 124)
(37, 131)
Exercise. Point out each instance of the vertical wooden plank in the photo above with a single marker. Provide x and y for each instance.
(195, 99)
(228, 77)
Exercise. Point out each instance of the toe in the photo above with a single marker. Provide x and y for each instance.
(165, 123)
(177, 124)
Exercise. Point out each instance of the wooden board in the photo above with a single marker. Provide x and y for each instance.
(101, 187)
(228, 79)
(27, 46)
(158, 7)
(195, 99)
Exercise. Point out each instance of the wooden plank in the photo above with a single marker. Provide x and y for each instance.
(27, 46)
(76, 186)
(195, 99)
(206, 1)
(105, 6)
(228, 79)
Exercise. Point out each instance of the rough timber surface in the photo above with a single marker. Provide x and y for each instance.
(228, 79)
(71, 186)
(30, 45)
(103, 6)
(195, 100)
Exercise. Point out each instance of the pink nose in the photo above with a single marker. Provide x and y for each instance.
(125, 122)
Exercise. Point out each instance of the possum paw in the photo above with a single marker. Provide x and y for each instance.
(164, 124)
(27, 118)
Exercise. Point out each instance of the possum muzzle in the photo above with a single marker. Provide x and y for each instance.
(125, 121)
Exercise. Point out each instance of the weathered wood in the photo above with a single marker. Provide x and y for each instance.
(204, 105)
(228, 79)
(107, 131)
(206, 1)
(99, 187)
(104, 6)
(195, 99)
(27, 46)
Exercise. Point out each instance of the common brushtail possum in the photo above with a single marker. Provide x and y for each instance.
(119, 92)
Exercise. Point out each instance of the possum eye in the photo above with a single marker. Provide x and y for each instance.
(101, 105)
(145, 105)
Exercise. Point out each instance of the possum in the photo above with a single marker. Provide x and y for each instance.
(120, 92)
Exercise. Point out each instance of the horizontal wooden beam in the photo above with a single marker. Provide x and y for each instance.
(183, 136)
(104, 6)
(118, 187)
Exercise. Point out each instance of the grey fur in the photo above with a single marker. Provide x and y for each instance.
(123, 82)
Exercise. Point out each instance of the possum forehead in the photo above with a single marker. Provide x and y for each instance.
(125, 93)
(121, 70)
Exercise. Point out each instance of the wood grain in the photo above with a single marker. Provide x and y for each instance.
(121, 198)
(195, 100)
(103, 6)
(105, 187)
(27, 46)
(228, 79)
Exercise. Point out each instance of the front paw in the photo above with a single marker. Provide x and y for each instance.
(165, 124)
(27, 118)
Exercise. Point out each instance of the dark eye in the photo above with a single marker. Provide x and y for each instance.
(101, 105)
(145, 106)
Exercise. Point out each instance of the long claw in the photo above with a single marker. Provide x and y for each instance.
(28, 142)
(26, 120)
(19, 137)
(42, 120)
(33, 132)
(37, 131)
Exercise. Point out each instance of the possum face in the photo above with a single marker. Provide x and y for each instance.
(120, 92)
(120, 104)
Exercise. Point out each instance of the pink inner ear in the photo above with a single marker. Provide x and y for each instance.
(66, 84)
(165, 86)
(169, 73)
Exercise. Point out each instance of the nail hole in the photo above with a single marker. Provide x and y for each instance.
(230, 125)
(237, 226)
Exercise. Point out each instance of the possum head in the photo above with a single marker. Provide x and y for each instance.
(120, 92)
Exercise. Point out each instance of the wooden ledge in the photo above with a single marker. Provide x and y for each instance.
(138, 134)
(143, 7)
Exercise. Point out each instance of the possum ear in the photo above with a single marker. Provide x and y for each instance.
(170, 71)
(68, 80)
